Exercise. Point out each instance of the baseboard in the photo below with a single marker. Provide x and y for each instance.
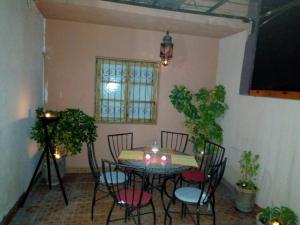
(78, 170)
(13, 211)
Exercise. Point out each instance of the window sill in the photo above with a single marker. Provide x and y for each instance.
(276, 94)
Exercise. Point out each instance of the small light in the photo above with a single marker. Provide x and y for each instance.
(275, 223)
(147, 156)
(165, 62)
(57, 155)
(48, 115)
(244, 185)
(154, 149)
(163, 158)
(202, 152)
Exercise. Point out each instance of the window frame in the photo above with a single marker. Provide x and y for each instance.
(128, 83)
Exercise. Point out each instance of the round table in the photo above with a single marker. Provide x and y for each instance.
(156, 166)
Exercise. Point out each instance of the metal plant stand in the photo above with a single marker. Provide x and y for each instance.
(49, 153)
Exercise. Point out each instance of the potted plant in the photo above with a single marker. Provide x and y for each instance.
(73, 129)
(202, 111)
(276, 216)
(246, 188)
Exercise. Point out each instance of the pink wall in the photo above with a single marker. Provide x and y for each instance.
(70, 72)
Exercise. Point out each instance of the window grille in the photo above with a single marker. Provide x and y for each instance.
(126, 91)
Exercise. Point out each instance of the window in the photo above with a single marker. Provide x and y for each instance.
(126, 91)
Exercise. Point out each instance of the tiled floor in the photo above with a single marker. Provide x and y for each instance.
(44, 207)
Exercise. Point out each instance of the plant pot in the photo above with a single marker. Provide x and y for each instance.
(61, 163)
(245, 199)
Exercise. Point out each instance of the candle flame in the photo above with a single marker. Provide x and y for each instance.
(47, 114)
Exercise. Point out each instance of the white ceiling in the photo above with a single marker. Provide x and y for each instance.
(116, 14)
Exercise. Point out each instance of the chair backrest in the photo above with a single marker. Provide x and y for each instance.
(174, 140)
(118, 142)
(211, 156)
(218, 173)
(92, 160)
(208, 187)
(129, 193)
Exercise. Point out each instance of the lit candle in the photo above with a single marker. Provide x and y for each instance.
(244, 185)
(147, 156)
(202, 152)
(57, 155)
(275, 223)
(47, 114)
(163, 158)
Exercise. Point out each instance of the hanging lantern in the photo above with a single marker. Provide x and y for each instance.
(166, 49)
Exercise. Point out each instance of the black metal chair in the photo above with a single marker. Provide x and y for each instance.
(200, 196)
(170, 140)
(132, 196)
(211, 156)
(174, 140)
(99, 178)
(118, 142)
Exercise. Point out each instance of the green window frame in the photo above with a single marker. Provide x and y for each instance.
(126, 91)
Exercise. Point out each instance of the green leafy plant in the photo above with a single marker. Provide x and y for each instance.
(201, 112)
(283, 215)
(249, 167)
(73, 129)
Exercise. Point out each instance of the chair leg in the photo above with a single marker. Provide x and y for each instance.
(198, 216)
(213, 212)
(139, 215)
(167, 214)
(109, 215)
(94, 200)
(154, 214)
(182, 210)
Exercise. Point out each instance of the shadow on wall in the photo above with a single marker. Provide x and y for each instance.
(265, 183)
(19, 156)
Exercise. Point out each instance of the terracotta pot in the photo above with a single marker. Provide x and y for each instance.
(245, 199)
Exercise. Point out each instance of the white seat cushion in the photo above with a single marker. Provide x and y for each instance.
(113, 177)
(190, 195)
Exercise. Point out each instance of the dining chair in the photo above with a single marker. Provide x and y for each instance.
(211, 156)
(197, 196)
(170, 140)
(131, 196)
(118, 142)
(99, 178)
(174, 140)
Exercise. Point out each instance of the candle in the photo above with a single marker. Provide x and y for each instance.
(57, 155)
(275, 223)
(244, 185)
(202, 152)
(147, 156)
(163, 158)
(154, 149)
(48, 114)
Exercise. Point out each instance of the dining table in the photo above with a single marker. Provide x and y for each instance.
(158, 162)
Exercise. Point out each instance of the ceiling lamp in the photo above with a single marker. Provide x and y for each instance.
(166, 49)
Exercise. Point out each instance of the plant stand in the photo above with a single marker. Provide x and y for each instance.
(48, 152)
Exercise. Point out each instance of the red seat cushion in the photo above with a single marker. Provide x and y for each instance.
(194, 176)
(132, 196)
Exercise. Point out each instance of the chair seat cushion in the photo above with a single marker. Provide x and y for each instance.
(190, 195)
(113, 177)
(131, 197)
(194, 176)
